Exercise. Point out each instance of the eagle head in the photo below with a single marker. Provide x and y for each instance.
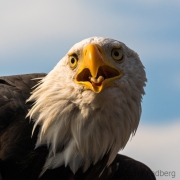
(89, 104)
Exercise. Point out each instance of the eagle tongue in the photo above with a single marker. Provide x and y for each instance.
(98, 81)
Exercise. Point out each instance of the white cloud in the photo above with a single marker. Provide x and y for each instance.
(157, 147)
(31, 22)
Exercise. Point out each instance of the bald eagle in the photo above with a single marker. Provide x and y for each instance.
(71, 123)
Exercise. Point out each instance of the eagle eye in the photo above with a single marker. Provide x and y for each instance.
(73, 61)
(117, 54)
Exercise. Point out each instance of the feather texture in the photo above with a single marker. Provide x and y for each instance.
(79, 126)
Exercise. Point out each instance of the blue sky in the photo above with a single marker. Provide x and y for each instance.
(35, 35)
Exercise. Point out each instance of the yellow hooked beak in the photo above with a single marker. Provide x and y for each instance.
(95, 72)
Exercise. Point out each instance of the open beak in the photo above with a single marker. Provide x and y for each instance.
(95, 72)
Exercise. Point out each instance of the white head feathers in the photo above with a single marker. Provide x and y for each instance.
(81, 126)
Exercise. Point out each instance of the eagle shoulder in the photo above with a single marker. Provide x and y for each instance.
(16, 144)
(14, 90)
(126, 168)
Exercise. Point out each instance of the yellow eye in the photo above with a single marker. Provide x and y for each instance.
(73, 61)
(117, 54)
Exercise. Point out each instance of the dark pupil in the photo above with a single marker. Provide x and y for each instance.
(116, 53)
(72, 60)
